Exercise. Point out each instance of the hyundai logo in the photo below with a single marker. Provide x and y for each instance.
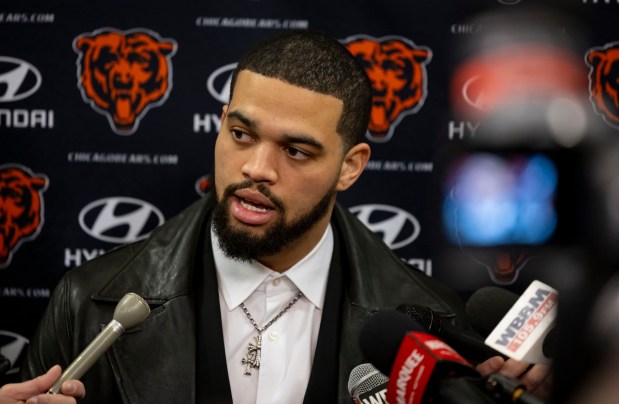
(119, 219)
(474, 94)
(397, 227)
(13, 347)
(19, 79)
(218, 83)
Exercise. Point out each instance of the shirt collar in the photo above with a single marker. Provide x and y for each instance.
(239, 279)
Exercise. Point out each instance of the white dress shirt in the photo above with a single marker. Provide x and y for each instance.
(288, 345)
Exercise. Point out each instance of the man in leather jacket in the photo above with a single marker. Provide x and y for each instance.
(291, 138)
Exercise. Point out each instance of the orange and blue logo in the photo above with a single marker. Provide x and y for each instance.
(21, 208)
(122, 74)
(603, 63)
(397, 69)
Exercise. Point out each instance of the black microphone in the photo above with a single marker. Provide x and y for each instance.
(467, 343)
(424, 369)
(420, 369)
(487, 306)
(366, 384)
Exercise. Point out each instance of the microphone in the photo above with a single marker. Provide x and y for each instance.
(469, 344)
(487, 306)
(130, 311)
(526, 333)
(424, 369)
(366, 384)
(421, 367)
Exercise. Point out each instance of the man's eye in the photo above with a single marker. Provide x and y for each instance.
(240, 135)
(296, 153)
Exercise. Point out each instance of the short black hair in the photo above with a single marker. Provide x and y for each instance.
(317, 62)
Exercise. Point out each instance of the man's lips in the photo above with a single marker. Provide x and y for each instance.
(251, 207)
(254, 198)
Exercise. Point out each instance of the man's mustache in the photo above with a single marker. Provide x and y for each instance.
(263, 189)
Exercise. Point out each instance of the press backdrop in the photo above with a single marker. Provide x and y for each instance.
(109, 112)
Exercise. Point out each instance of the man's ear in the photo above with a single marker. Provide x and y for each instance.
(353, 165)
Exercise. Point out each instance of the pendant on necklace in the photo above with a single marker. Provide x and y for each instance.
(252, 357)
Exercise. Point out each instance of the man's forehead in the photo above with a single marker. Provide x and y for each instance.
(271, 104)
(245, 73)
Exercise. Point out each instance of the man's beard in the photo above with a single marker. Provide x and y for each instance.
(241, 245)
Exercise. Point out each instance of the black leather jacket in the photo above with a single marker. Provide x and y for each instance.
(155, 362)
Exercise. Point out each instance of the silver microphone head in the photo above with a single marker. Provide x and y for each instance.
(363, 378)
(131, 310)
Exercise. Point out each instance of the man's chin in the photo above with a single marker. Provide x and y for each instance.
(245, 246)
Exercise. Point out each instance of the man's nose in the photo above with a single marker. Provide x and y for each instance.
(261, 164)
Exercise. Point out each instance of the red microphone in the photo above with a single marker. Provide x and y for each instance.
(421, 366)
(420, 360)
(424, 369)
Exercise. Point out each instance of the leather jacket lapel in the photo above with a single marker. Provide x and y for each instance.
(323, 382)
(213, 384)
(166, 353)
(165, 342)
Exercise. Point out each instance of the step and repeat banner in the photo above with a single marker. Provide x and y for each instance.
(486, 116)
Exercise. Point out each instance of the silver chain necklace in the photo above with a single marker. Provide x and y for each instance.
(252, 357)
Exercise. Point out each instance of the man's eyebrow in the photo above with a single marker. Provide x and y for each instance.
(286, 138)
(303, 139)
(239, 115)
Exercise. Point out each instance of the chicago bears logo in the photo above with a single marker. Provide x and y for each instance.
(123, 74)
(204, 184)
(502, 263)
(604, 81)
(21, 208)
(396, 67)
